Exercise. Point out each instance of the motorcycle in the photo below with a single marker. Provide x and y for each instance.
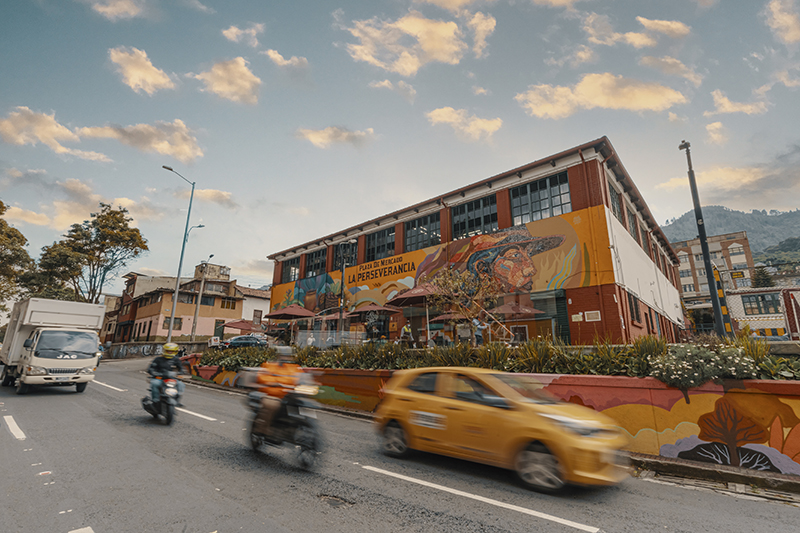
(169, 397)
(294, 423)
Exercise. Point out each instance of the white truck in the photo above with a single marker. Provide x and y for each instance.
(51, 342)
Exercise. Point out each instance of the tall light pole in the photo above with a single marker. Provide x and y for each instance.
(701, 230)
(183, 248)
(204, 266)
(341, 289)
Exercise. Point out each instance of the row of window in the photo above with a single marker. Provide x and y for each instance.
(188, 298)
(762, 304)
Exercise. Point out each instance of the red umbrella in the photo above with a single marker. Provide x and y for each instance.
(244, 325)
(515, 309)
(376, 308)
(449, 317)
(290, 312)
(412, 297)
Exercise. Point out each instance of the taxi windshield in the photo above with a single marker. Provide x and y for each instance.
(526, 386)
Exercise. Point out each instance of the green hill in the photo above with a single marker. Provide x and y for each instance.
(764, 230)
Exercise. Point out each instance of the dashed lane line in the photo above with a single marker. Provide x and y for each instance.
(204, 417)
(109, 386)
(496, 503)
(13, 427)
(83, 530)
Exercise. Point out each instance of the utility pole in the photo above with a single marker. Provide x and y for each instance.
(204, 266)
(719, 328)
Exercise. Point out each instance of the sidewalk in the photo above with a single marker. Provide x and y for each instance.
(758, 483)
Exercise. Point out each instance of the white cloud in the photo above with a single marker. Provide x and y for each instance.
(598, 90)
(137, 71)
(336, 135)
(213, 196)
(479, 91)
(456, 6)
(555, 3)
(482, 27)
(196, 4)
(382, 43)
(582, 54)
(470, 128)
(725, 178)
(249, 35)
(16, 214)
(673, 67)
(231, 80)
(152, 271)
(599, 31)
(24, 126)
(404, 89)
(670, 28)
(14, 173)
(255, 267)
(115, 10)
(717, 134)
(293, 62)
(675, 118)
(173, 139)
(783, 20)
(723, 105)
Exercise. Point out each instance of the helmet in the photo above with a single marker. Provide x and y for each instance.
(170, 350)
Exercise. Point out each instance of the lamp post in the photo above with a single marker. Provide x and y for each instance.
(183, 248)
(204, 266)
(701, 230)
(341, 289)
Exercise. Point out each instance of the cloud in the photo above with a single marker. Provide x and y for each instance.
(15, 214)
(784, 76)
(783, 20)
(479, 91)
(14, 173)
(717, 134)
(335, 135)
(672, 117)
(249, 35)
(151, 271)
(137, 71)
(293, 62)
(555, 3)
(213, 196)
(469, 128)
(598, 90)
(670, 28)
(482, 26)
(724, 178)
(255, 267)
(195, 4)
(673, 67)
(382, 43)
(456, 6)
(402, 88)
(723, 105)
(599, 31)
(582, 54)
(231, 80)
(24, 126)
(173, 139)
(115, 10)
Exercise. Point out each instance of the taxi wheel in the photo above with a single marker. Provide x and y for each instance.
(395, 440)
(539, 469)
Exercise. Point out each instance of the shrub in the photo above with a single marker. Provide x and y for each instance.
(682, 366)
(235, 358)
(533, 356)
(495, 355)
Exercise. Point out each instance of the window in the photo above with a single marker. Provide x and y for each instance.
(185, 298)
(176, 325)
(704, 287)
(228, 303)
(291, 270)
(745, 282)
(683, 258)
(761, 304)
(633, 303)
(616, 206)
(347, 252)
(316, 262)
(698, 258)
(701, 272)
(736, 250)
(257, 316)
(685, 273)
(740, 266)
(688, 288)
(218, 287)
(207, 300)
(475, 217)
(422, 232)
(469, 390)
(540, 199)
(425, 383)
(380, 244)
(126, 309)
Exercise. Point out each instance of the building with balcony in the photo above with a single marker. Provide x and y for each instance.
(568, 234)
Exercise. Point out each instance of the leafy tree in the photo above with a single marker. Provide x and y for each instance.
(91, 253)
(463, 294)
(761, 278)
(14, 259)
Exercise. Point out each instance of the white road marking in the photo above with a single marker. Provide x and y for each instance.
(67, 511)
(83, 530)
(490, 501)
(14, 428)
(45, 473)
(109, 386)
(204, 417)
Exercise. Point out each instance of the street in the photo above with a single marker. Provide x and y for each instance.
(97, 462)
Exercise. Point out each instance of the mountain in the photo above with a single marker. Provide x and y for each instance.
(763, 229)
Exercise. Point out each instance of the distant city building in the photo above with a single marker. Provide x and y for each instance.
(768, 311)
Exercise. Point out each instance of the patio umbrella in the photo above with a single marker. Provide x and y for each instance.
(414, 297)
(449, 317)
(515, 309)
(244, 325)
(290, 312)
(376, 308)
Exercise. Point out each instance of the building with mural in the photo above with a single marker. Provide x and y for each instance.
(569, 235)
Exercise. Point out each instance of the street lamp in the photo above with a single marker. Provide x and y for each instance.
(204, 266)
(341, 289)
(701, 230)
(183, 248)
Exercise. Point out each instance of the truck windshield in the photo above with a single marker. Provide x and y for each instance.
(75, 344)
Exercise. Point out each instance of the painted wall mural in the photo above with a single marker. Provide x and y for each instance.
(566, 251)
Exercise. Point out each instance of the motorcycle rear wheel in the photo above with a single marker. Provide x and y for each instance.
(169, 413)
(307, 440)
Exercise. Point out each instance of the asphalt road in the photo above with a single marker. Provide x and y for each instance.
(96, 462)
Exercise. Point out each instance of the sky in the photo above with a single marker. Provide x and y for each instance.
(297, 118)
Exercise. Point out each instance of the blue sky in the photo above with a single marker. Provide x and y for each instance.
(300, 118)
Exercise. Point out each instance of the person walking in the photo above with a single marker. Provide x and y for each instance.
(479, 327)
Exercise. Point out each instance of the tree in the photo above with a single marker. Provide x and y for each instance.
(14, 259)
(463, 293)
(91, 253)
(761, 278)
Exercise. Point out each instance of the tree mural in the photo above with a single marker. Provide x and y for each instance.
(728, 426)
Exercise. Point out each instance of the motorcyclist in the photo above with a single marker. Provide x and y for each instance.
(160, 368)
(277, 379)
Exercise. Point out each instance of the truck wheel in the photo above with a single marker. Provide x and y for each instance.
(6, 378)
(80, 387)
(22, 388)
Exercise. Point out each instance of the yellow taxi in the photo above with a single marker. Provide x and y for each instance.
(500, 419)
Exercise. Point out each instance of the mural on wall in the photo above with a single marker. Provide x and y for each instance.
(548, 254)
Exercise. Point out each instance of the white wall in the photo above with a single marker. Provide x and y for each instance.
(252, 303)
(636, 272)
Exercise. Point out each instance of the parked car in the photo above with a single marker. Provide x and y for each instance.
(501, 419)
(242, 341)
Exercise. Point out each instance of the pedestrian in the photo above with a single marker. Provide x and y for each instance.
(405, 334)
(479, 327)
(310, 340)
